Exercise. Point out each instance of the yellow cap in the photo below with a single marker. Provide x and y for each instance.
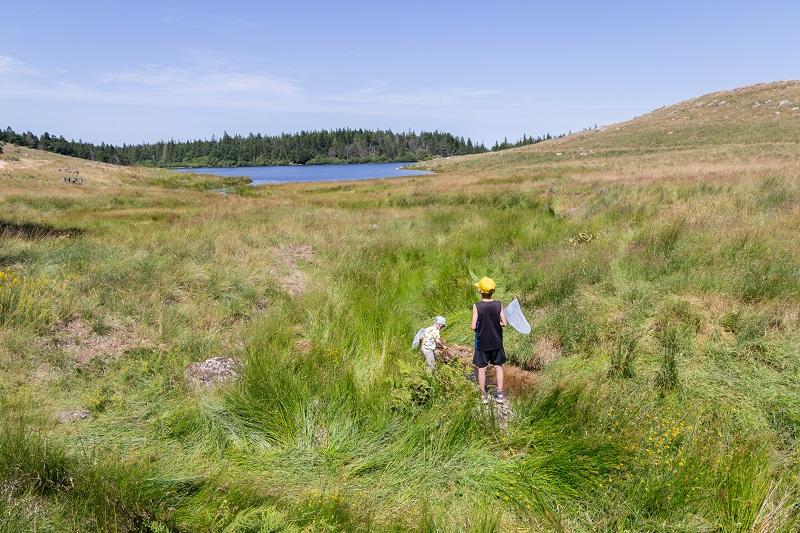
(486, 285)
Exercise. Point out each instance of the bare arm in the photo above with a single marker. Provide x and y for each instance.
(474, 325)
(440, 341)
(503, 321)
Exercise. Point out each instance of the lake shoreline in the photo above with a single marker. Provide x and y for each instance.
(278, 175)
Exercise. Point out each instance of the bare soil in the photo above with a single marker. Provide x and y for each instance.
(295, 281)
(78, 339)
(517, 380)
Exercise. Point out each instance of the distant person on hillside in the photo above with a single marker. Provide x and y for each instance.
(488, 321)
(432, 341)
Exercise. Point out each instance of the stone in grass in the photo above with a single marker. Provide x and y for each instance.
(72, 415)
(211, 372)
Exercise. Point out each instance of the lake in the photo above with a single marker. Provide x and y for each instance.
(311, 173)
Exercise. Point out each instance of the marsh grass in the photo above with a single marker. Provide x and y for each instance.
(334, 423)
(624, 355)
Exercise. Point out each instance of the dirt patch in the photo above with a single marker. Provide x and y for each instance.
(301, 252)
(212, 372)
(546, 351)
(295, 281)
(517, 380)
(303, 346)
(78, 339)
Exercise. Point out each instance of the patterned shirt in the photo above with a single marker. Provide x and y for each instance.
(430, 337)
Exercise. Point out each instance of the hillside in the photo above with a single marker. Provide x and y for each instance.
(742, 124)
(172, 359)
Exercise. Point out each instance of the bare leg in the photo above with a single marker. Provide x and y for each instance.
(482, 379)
(499, 374)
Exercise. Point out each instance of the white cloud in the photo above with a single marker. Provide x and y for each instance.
(9, 65)
(208, 81)
(203, 82)
(200, 79)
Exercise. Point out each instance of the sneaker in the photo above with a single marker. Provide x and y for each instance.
(499, 397)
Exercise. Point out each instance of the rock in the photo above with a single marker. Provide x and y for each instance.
(784, 102)
(72, 415)
(502, 413)
(212, 372)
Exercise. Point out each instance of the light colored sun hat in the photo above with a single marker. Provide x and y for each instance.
(440, 320)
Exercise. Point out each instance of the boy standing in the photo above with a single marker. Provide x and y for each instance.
(488, 321)
(432, 340)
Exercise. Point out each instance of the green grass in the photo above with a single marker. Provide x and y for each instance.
(674, 404)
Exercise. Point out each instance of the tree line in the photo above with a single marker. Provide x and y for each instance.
(305, 147)
(505, 145)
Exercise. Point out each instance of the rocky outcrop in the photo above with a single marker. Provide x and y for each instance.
(212, 372)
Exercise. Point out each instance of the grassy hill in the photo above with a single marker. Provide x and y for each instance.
(661, 273)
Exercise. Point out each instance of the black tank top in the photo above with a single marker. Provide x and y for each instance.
(488, 333)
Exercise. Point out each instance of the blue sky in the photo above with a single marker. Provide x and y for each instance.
(143, 71)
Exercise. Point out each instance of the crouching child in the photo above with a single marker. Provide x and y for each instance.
(432, 341)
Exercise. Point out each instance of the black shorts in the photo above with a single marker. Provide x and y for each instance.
(482, 358)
